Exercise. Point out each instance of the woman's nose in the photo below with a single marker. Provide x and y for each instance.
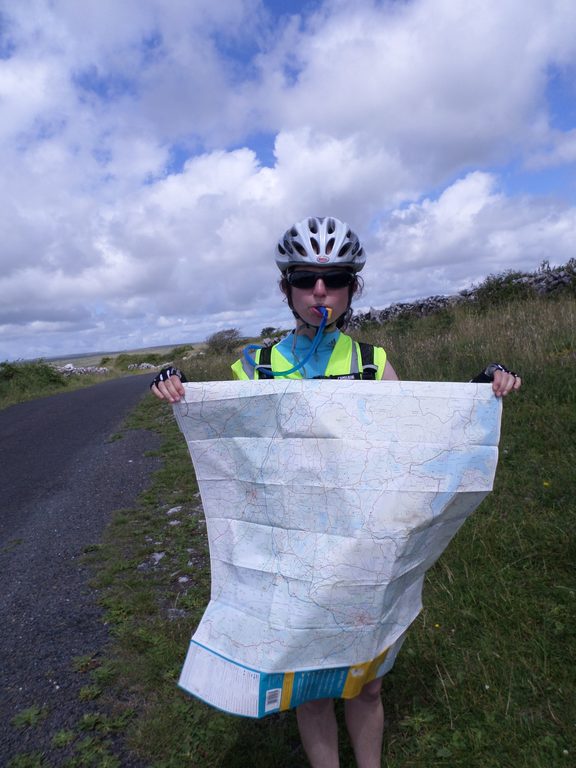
(319, 287)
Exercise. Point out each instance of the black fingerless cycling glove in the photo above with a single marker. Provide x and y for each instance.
(165, 374)
(487, 375)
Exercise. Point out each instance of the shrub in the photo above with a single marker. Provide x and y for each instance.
(29, 375)
(182, 350)
(223, 341)
(268, 332)
(500, 289)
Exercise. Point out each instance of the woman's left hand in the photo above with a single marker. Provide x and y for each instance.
(505, 382)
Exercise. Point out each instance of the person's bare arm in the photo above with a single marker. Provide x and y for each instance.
(389, 373)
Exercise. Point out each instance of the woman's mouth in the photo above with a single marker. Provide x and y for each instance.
(321, 311)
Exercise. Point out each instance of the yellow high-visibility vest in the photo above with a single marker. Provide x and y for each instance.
(345, 362)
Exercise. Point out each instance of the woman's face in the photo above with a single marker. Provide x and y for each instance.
(323, 292)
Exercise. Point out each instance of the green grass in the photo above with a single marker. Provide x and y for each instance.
(486, 676)
(28, 760)
(30, 717)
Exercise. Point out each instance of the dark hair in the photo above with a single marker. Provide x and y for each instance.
(355, 290)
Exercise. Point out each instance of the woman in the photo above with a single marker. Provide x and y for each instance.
(319, 259)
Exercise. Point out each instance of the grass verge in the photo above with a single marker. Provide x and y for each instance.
(154, 580)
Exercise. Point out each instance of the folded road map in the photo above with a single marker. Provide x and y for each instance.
(326, 502)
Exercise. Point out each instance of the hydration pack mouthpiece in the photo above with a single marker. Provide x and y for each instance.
(324, 312)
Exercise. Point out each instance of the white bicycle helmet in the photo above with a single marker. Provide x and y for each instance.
(320, 241)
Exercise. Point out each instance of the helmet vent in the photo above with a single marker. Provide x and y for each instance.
(315, 245)
(344, 250)
(301, 250)
(330, 246)
(330, 226)
(313, 226)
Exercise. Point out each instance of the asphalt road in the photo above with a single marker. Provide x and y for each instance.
(61, 477)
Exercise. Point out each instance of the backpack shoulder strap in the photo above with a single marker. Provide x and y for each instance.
(264, 363)
(369, 370)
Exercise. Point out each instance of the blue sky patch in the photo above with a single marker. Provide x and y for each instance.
(152, 48)
(556, 182)
(106, 86)
(561, 97)
(263, 145)
(7, 45)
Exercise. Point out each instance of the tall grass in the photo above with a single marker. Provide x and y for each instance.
(454, 345)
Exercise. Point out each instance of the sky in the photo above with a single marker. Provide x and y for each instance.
(152, 153)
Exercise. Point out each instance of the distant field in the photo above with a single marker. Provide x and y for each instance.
(86, 359)
(26, 380)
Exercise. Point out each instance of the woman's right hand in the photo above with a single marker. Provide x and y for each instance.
(167, 385)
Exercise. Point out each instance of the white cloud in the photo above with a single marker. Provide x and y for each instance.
(470, 231)
(398, 117)
(441, 84)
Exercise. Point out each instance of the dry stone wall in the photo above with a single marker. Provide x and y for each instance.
(548, 281)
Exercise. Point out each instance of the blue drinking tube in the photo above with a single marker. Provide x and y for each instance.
(326, 313)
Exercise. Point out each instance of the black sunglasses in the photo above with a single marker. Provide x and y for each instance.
(304, 279)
